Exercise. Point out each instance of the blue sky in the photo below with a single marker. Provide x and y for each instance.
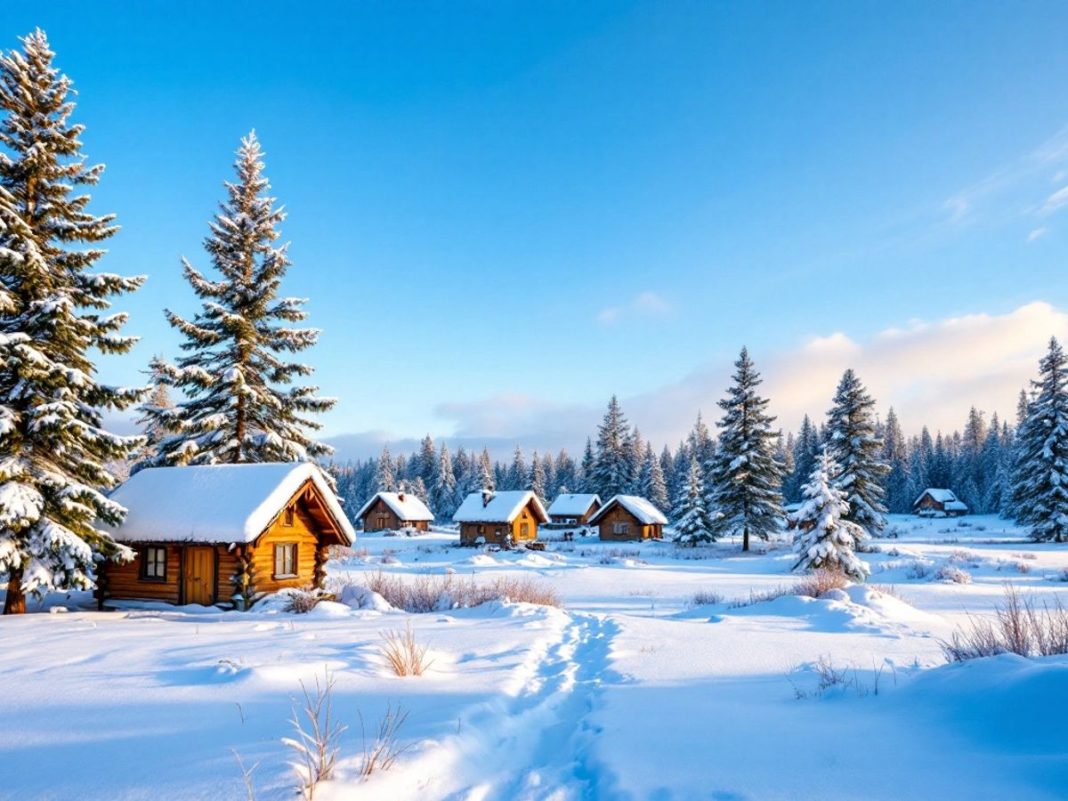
(505, 212)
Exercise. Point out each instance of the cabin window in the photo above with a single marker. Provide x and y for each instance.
(287, 517)
(154, 564)
(621, 528)
(285, 560)
(381, 521)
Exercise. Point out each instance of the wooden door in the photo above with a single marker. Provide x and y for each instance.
(199, 575)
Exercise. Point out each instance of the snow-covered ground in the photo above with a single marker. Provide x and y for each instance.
(630, 691)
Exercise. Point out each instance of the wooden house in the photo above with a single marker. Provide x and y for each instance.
(573, 509)
(935, 502)
(392, 511)
(500, 518)
(629, 517)
(223, 534)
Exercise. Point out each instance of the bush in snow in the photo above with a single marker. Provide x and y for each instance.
(820, 582)
(953, 574)
(440, 593)
(1019, 626)
(403, 653)
(826, 539)
(318, 736)
(380, 752)
(301, 602)
(706, 598)
(918, 570)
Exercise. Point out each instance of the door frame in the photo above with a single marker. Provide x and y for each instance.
(214, 577)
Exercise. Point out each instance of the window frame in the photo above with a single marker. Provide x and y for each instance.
(285, 548)
(621, 528)
(145, 561)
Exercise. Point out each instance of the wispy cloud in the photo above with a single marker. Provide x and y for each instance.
(1055, 201)
(646, 304)
(1037, 233)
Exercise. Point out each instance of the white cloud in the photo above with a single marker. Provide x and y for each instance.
(1037, 233)
(646, 304)
(1055, 201)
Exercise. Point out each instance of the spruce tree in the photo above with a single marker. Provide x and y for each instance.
(518, 473)
(54, 449)
(895, 454)
(745, 474)
(154, 413)
(585, 483)
(385, 477)
(443, 493)
(853, 445)
(826, 538)
(240, 404)
(1044, 451)
(653, 486)
(536, 479)
(611, 471)
(694, 524)
(806, 452)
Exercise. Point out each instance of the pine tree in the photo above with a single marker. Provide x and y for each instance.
(54, 449)
(895, 454)
(443, 493)
(694, 523)
(1017, 497)
(425, 463)
(991, 467)
(826, 539)
(154, 415)
(634, 451)
(681, 471)
(611, 472)
(536, 479)
(585, 482)
(385, 477)
(1044, 451)
(855, 448)
(745, 474)
(486, 473)
(653, 486)
(518, 473)
(240, 405)
(806, 451)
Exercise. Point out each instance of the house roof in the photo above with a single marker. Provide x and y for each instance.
(219, 503)
(956, 506)
(403, 504)
(938, 495)
(642, 509)
(502, 507)
(573, 504)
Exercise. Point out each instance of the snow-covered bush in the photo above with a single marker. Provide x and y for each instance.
(1019, 627)
(918, 570)
(301, 602)
(953, 574)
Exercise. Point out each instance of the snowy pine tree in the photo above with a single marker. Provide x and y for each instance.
(154, 413)
(536, 479)
(853, 445)
(611, 466)
(895, 454)
(443, 497)
(806, 452)
(826, 539)
(240, 406)
(746, 477)
(385, 477)
(694, 524)
(518, 474)
(1044, 451)
(585, 476)
(54, 450)
(653, 486)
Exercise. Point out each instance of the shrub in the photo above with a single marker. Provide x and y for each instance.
(820, 581)
(403, 653)
(918, 570)
(439, 593)
(954, 574)
(706, 598)
(301, 601)
(1019, 626)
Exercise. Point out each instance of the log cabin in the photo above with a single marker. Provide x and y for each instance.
(500, 518)
(934, 502)
(223, 534)
(392, 511)
(573, 509)
(628, 518)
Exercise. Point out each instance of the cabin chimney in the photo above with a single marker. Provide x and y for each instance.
(400, 497)
(487, 496)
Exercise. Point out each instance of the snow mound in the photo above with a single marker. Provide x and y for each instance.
(356, 596)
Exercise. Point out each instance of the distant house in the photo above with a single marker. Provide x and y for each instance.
(939, 503)
(629, 517)
(225, 533)
(392, 511)
(573, 509)
(500, 518)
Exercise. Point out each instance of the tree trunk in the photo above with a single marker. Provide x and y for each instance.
(745, 538)
(15, 602)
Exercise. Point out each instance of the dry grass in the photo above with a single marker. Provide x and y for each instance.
(820, 581)
(382, 752)
(1019, 626)
(246, 776)
(317, 737)
(953, 574)
(706, 598)
(404, 655)
(301, 602)
(440, 593)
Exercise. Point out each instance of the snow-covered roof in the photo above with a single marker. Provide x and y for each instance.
(403, 504)
(573, 504)
(955, 506)
(937, 495)
(502, 507)
(642, 509)
(216, 503)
